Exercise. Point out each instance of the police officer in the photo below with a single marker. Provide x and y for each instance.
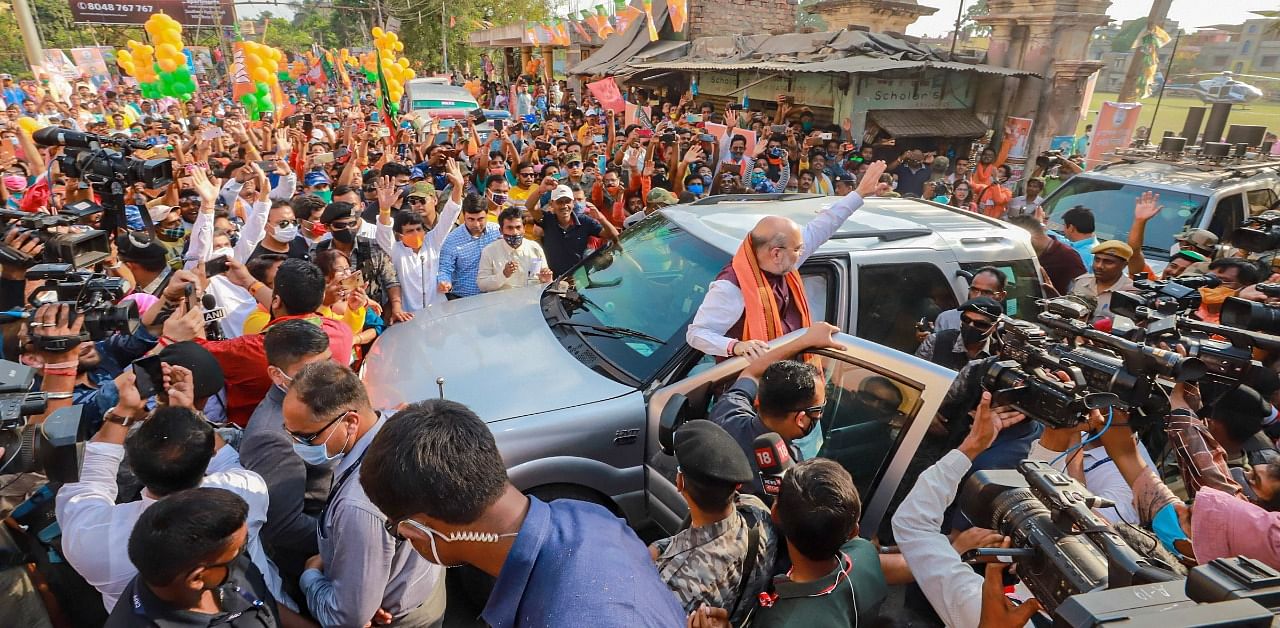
(724, 559)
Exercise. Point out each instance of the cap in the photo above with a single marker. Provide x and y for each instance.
(662, 196)
(706, 450)
(1199, 238)
(985, 306)
(1239, 402)
(561, 191)
(845, 177)
(422, 189)
(204, 367)
(417, 173)
(334, 211)
(314, 178)
(1195, 257)
(1113, 247)
(159, 212)
(139, 247)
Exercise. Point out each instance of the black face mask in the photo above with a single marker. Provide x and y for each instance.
(971, 334)
(660, 181)
(345, 236)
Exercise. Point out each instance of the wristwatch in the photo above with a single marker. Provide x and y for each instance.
(123, 421)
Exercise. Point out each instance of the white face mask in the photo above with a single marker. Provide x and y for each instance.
(285, 235)
(223, 252)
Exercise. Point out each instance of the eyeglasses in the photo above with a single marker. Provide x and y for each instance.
(308, 439)
(342, 226)
(977, 323)
(285, 224)
(417, 200)
(982, 293)
(528, 174)
(813, 412)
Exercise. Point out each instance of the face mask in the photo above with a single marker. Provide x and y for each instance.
(234, 237)
(345, 236)
(694, 188)
(706, 180)
(807, 126)
(757, 178)
(498, 198)
(318, 230)
(285, 235)
(15, 183)
(1215, 296)
(1168, 529)
(414, 240)
(325, 195)
(224, 252)
(316, 455)
(513, 241)
(737, 154)
(972, 334)
(174, 233)
(811, 443)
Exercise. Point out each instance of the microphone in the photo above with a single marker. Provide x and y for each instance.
(213, 316)
(773, 459)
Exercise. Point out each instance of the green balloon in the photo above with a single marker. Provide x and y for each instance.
(185, 97)
(183, 73)
(250, 101)
(282, 76)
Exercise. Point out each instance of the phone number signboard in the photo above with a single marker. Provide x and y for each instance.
(189, 13)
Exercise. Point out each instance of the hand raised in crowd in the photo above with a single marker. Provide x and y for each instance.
(129, 402)
(987, 423)
(869, 183)
(186, 323)
(387, 194)
(453, 172)
(694, 154)
(179, 386)
(206, 188)
(1147, 206)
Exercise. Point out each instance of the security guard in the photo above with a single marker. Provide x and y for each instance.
(730, 534)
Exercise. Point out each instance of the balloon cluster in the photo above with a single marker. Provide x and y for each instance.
(394, 71)
(172, 74)
(138, 61)
(262, 63)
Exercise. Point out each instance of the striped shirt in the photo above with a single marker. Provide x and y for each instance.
(460, 258)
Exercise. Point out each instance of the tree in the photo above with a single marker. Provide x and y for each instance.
(1129, 32)
(420, 29)
(969, 27)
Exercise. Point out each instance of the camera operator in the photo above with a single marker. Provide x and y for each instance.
(174, 449)
(954, 348)
(950, 585)
(1110, 259)
(1210, 440)
(1236, 274)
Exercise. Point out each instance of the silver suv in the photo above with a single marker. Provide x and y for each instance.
(1194, 197)
(576, 380)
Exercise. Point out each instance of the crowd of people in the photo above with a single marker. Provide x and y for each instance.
(238, 473)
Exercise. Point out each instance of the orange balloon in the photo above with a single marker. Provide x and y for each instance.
(28, 124)
(167, 64)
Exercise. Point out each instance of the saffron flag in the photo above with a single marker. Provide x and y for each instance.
(606, 91)
(679, 12)
(648, 14)
(624, 15)
(1147, 47)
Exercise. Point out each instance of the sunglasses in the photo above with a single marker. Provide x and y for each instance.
(813, 412)
(417, 200)
(977, 323)
(285, 224)
(528, 174)
(308, 439)
(342, 226)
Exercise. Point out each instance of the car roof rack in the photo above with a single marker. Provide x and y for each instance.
(739, 198)
(884, 235)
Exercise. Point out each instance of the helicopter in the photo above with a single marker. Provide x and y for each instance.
(1222, 88)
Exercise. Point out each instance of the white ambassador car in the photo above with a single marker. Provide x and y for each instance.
(581, 381)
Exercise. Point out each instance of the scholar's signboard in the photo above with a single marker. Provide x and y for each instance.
(189, 13)
(935, 91)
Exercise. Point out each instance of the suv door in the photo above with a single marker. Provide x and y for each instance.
(895, 289)
(1227, 215)
(872, 438)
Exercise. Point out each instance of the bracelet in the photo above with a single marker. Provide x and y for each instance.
(65, 372)
(255, 286)
(70, 364)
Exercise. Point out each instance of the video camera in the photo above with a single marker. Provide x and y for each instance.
(48, 447)
(92, 296)
(1049, 159)
(1258, 233)
(1252, 315)
(1084, 573)
(66, 239)
(1106, 372)
(109, 170)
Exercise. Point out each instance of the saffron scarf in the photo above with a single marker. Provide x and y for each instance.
(762, 317)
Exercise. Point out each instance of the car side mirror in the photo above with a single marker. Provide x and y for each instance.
(674, 414)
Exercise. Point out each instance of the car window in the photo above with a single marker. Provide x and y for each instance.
(1227, 215)
(1022, 286)
(867, 411)
(1112, 205)
(1261, 200)
(893, 297)
(820, 281)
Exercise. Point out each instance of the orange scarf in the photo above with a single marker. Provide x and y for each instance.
(762, 318)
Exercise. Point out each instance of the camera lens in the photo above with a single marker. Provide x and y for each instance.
(1250, 315)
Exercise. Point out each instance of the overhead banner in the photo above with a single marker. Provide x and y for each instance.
(1114, 129)
(91, 63)
(189, 13)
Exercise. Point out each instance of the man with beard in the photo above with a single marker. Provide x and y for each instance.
(738, 317)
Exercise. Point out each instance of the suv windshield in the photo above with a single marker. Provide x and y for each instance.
(651, 287)
(1112, 205)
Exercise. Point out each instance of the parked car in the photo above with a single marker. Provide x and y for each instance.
(576, 378)
(1194, 196)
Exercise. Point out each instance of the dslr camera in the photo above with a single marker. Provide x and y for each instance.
(92, 296)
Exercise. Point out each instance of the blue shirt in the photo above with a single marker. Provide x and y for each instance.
(1083, 247)
(574, 560)
(460, 258)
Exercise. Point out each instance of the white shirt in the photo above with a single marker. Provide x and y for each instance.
(1019, 205)
(950, 319)
(529, 260)
(951, 586)
(1101, 477)
(95, 529)
(723, 305)
(417, 269)
(236, 303)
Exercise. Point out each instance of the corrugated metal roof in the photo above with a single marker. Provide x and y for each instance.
(905, 123)
(618, 50)
(846, 65)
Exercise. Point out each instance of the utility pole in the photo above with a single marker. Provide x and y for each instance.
(1129, 89)
(955, 33)
(30, 36)
(444, 39)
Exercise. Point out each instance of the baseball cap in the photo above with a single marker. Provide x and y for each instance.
(662, 196)
(561, 191)
(314, 178)
(159, 212)
(985, 306)
(417, 173)
(1113, 247)
(422, 189)
(1199, 238)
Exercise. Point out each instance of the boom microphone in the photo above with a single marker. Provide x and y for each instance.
(773, 459)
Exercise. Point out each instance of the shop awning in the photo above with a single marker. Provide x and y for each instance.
(905, 123)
